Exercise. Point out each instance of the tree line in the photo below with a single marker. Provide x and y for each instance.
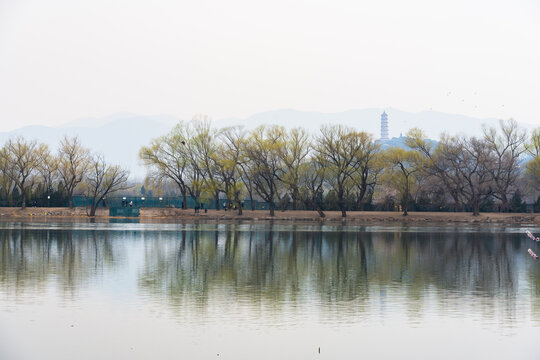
(345, 169)
(337, 168)
(29, 171)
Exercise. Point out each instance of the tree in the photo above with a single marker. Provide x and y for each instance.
(436, 163)
(532, 169)
(49, 172)
(312, 178)
(507, 146)
(102, 180)
(7, 176)
(469, 161)
(264, 166)
(23, 158)
(343, 152)
(365, 179)
(167, 158)
(229, 164)
(533, 147)
(517, 204)
(293, 154)
(202, 149)
(402, 165)
(73, 163)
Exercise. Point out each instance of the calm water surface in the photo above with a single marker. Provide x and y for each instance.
(207, 291)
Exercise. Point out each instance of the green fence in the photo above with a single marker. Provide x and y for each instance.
(163, 202)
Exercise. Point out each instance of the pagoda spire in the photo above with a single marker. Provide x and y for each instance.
(384, 126)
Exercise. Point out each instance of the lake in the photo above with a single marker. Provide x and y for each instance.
(256, 291)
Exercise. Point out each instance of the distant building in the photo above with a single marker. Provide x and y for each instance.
(384, 126)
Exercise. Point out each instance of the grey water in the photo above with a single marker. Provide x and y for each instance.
(255, 291)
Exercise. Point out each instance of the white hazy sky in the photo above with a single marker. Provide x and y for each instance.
(64, 59)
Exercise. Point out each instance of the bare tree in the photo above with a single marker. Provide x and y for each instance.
(102, 180)
(469, 161)
(507, 146)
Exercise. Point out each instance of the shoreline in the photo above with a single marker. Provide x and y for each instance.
(289, 216)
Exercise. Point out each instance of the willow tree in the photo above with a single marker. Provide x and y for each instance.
(370, 166)
(228, 163)
(343, 152)
(402, 166)
(294, 155)
(312, 177)
(532, 168)
(264, 165)
(48, 170)
(24, 158)
(7, 176)
(167, 158)
(73, 163)
(203, 147)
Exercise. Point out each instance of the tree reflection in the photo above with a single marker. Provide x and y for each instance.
(32, 260)
(336, 270)
(339, 272)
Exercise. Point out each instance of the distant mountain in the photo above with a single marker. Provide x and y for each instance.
(432, 122)
(400, 143)
(120, 136)
(118, 139)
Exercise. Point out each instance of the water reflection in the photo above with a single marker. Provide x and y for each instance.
(32, 260)
(283, 272)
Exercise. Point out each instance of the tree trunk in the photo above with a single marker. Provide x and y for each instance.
(70, 200)
(216, 197)
(23, 196)
(294, 198)
(271, 208)
(476, 206)
(318, 208)
(251, 200)
(504, 203)
(341, 203)
(360, 199)
(93, 207)
(405, 202)
(239, 204)
(184, 205)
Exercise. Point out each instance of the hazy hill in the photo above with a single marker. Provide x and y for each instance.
(432, 122)
(119, 139)
(120, 136)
